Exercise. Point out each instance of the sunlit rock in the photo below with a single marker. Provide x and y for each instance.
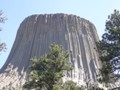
(37, 32)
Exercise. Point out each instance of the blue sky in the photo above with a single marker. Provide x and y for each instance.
(16, 11)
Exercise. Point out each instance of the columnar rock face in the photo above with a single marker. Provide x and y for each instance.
(37, 32)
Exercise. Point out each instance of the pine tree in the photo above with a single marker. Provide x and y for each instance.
(47, 72)
(109, 49)
(2, 20)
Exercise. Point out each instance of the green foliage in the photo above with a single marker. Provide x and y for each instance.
(70, 85)
(46, 72)
(2, 20)
(109, 49)
(107, 74)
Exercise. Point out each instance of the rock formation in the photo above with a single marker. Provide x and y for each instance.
(37, 32)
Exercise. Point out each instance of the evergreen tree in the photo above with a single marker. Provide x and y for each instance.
(109, 49)
(2, 20)
(70, 85)
(47, 72)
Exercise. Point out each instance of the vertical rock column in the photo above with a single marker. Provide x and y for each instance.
(37, 32)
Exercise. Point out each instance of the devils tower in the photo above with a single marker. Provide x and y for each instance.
(37, 32)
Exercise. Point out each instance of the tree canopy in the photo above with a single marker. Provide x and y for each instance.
(2, 20)
(2, 17)
(109, 49)
(47, 71)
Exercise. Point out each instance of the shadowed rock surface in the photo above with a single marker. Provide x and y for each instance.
(37, 32)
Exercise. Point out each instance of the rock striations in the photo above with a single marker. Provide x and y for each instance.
(37, 32)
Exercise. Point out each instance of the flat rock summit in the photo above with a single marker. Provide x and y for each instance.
(37, 32)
